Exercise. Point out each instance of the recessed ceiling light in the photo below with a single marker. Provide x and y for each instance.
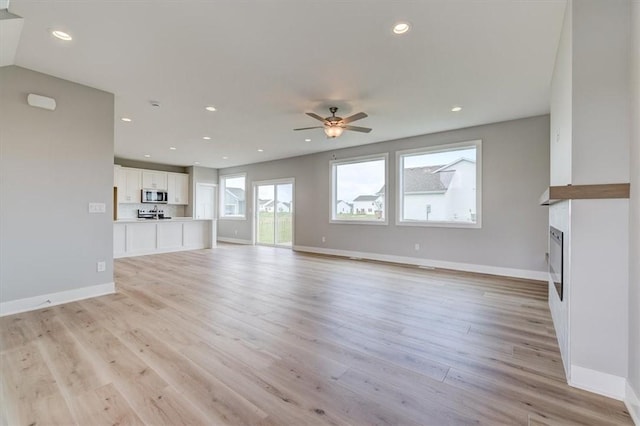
(225, 158)
(196, 162)
(61, 35)
(401, 28)
(456, 109)
(307, 140)
(261, 150)
(126, 119)
(210, 108)
(147, 156)
(206, 138)
(172, 148)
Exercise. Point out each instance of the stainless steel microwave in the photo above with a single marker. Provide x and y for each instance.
(155, 196)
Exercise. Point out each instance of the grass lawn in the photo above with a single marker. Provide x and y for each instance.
(266, 224)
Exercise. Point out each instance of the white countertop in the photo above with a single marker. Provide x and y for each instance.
(173, 219)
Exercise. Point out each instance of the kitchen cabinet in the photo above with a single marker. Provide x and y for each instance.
(152, 179)
(178, 188)
(142, 237)
(129, 185)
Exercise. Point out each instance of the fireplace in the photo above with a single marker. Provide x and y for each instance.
(555, 259)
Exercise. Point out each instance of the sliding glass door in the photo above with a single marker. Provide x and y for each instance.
(274, 213)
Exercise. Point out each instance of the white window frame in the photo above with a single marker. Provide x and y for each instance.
(430, 150)
(352, 160)
(223, 187)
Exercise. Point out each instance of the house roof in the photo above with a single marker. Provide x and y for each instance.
(451, 164)
(426, 179)
(236, 192)
(366, 198)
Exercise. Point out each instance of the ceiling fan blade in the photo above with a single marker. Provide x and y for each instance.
(307, 128)
(316, 116)
(354, 117)
(357, 129)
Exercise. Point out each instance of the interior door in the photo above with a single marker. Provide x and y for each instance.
(205, 201)
(274, 214)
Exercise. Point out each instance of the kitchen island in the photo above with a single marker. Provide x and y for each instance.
(137, 237)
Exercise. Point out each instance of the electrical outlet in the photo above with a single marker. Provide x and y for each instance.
(101, 266)
(324, 239)
(97, 207)
(235, 232)
(416, 246)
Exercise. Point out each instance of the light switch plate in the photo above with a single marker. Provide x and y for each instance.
(97, 207)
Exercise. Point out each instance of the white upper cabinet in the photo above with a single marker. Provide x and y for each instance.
(178, 188)
(152, 179)
(129, 183)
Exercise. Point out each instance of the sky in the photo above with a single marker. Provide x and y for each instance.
(266, 192)
(359, 179)
(438, 158)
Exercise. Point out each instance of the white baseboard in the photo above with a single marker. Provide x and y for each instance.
(160, 251)
(632, 402)
(234, 240)
(598, 382)
(457, 266)
(43, 301)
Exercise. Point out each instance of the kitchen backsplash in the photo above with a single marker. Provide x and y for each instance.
(129, 211)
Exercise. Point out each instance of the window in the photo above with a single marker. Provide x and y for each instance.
(440, 185)
(233, 196)
(358, 189)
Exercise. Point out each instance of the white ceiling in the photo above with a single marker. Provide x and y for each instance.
(263, 64)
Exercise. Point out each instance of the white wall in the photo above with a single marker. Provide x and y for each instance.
(589, 144)
(52, 164)
(460, 199)
(515, 173)
(634, 222)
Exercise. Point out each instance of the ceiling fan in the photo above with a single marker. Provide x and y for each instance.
(334, 126)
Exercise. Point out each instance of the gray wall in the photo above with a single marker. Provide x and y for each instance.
(515, 157)
(52, 164)
(634, 230)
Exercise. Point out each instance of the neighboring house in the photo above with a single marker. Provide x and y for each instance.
(342, 207)
(268, 206)
(365, 204)
(234, 201)
(441, 193)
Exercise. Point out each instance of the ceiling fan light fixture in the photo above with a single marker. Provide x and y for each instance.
(333, 131)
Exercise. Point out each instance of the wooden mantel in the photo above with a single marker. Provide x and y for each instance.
(584, 192)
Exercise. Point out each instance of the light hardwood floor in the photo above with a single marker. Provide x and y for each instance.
(261, 336)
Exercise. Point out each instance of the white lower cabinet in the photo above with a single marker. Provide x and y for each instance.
(136, 238)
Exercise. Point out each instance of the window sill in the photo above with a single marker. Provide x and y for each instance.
(440, 224)
(232, 218)
(359, 222)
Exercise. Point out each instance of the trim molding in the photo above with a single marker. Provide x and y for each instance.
(598, 382)
(47, 300)
(633, 404)
(159, 251)
(457, 266)
(234, 240)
